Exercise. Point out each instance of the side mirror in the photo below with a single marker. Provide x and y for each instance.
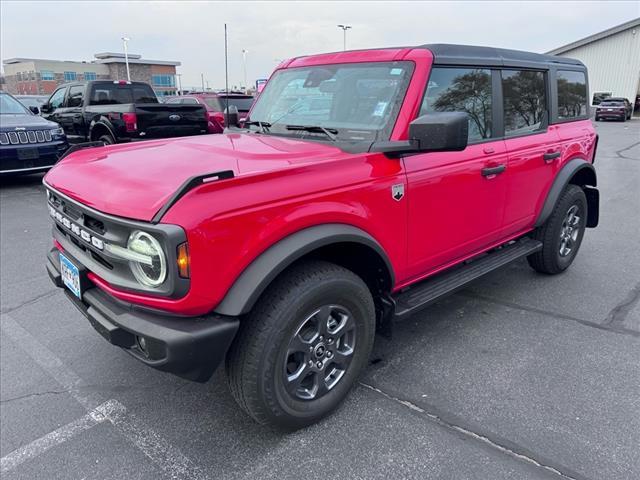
(35, 109)
(231, 116)
(46, 108)
(440, 132)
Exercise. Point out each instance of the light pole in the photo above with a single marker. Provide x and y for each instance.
(244, 67)
(126, 57)
(179, 75)
(344, 35)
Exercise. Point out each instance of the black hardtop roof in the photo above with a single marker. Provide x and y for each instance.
(449, 54)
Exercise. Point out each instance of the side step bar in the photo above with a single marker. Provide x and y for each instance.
(448, 282)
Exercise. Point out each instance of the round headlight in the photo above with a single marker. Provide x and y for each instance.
(149, 275)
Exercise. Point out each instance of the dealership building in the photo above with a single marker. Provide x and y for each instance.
(613, 60)
(32, 76)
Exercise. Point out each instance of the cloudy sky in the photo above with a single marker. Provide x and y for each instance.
(193, 32)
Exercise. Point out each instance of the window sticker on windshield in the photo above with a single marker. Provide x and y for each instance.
(380, 108)
(395, 71)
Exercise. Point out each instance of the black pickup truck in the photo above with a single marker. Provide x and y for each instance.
(119, 112)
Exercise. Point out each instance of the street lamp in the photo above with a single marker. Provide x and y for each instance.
(344, 33)
(126, 56)
(244, 67)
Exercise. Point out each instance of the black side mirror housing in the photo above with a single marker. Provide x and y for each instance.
(440, 132)
(46, 108)
(434, 132)
(231, 118)
(34, 109)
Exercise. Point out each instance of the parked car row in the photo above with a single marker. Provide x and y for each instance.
(102, 111)
(215, 104)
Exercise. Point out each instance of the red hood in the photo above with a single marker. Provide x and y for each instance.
(135, 180)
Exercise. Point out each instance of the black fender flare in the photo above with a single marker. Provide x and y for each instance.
(102, 122)
(576, 167)
(252, 282)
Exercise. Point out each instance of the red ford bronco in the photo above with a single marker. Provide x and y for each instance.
(363, 186)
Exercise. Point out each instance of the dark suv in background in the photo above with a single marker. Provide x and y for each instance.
(28, 142)
(119, 111)
(616, 108)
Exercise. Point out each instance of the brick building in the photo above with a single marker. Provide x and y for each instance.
(34, 76)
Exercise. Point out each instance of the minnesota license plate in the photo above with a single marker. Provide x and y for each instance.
(70, 276)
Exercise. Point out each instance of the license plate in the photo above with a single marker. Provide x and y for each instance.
(70, 276)
(609, 109)
(28, 153)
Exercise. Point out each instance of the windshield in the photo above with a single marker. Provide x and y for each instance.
(358, 101)
(612, 104)
(11, 106)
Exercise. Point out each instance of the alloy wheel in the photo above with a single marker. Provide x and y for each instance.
(319, 352)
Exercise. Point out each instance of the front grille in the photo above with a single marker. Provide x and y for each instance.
(72, 211)
(94, 224)
(31, 136)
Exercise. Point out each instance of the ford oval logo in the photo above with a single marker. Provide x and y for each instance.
(174, 117)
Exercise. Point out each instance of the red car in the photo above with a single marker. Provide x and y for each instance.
(364, 186)
(215, 104)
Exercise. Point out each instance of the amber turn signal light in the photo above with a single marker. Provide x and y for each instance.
(183, 260)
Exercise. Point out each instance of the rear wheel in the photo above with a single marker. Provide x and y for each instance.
(107, 139)
(562, 233)
(301, 349)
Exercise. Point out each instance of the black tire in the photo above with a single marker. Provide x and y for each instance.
(107, 139)
(259, 360)
(552, 258)
(597, 119)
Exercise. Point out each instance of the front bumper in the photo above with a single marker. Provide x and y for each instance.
(30, 158)
(190, 347)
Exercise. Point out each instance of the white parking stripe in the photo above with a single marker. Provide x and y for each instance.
(168, 458)
(62, 434)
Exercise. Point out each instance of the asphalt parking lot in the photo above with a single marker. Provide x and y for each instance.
(520, 376)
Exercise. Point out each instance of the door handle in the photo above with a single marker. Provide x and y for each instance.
(550, 156)
(493, 171)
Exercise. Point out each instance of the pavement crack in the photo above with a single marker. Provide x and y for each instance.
(619, 313)
(519, 453)
(34, 394)
(600, 326)
(619, 152)
(31, 301)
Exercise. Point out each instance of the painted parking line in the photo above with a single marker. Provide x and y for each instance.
(164, 455)
(61, 435)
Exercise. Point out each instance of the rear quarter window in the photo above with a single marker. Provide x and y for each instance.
(572, 94)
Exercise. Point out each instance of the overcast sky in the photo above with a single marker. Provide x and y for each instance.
(193, 32)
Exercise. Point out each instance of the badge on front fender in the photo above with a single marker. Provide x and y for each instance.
(397, 191)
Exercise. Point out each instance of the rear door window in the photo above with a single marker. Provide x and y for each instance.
(572, 94)
(76, 94)
(525, 102)
(462, 90)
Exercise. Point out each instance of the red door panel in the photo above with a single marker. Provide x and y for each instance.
(534, 161)
(454, 209)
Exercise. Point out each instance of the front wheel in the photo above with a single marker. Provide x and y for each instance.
(303, 346)
(562, 233)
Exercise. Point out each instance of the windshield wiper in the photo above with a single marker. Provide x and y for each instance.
(264, 126)
(329, 132)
